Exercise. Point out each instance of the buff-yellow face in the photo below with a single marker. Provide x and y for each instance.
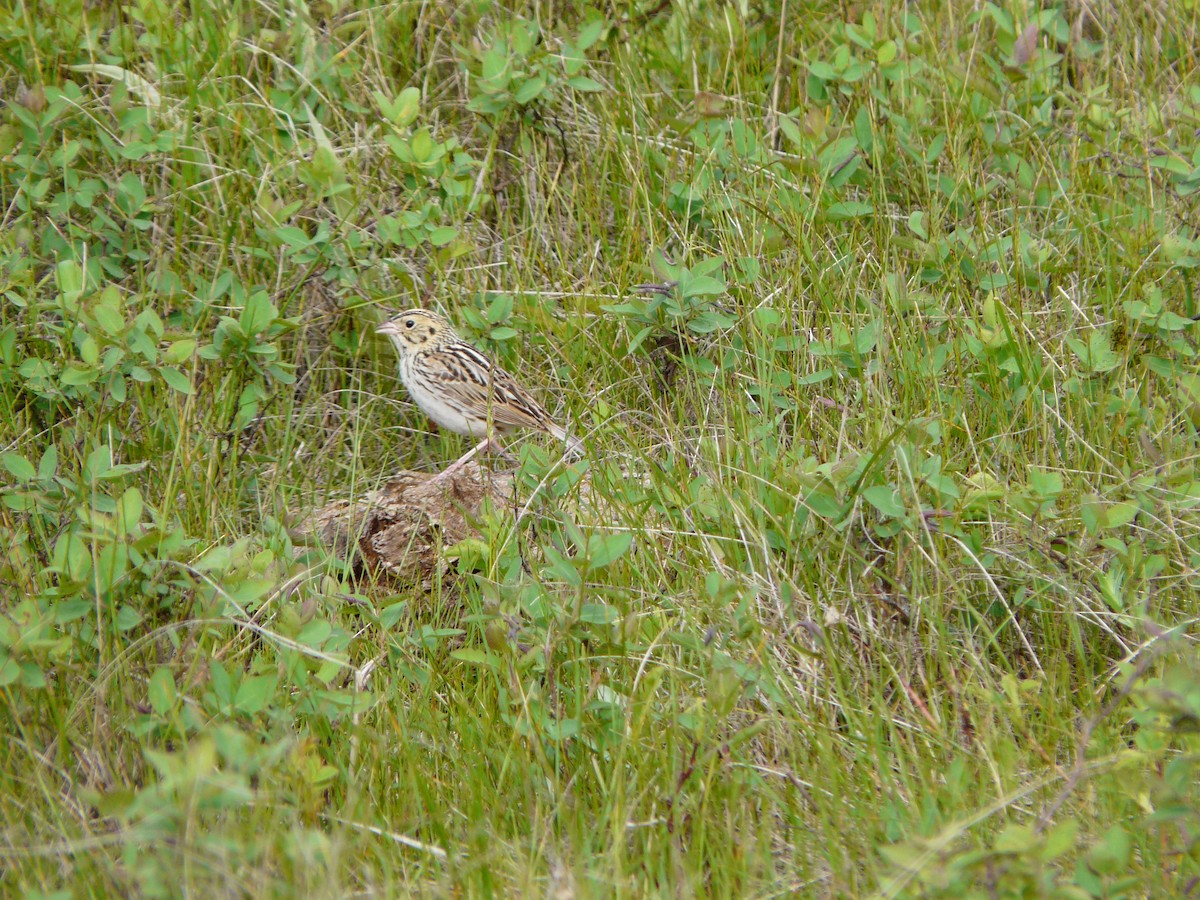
(416, 329)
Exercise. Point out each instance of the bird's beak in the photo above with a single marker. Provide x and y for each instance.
(388, 328)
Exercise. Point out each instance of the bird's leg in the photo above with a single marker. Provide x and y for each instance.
(488, 443)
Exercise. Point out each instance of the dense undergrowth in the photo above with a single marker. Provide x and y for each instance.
(879, 575)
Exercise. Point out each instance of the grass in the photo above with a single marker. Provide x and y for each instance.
(879, 576)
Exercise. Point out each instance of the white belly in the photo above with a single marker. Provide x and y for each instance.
(435, 406)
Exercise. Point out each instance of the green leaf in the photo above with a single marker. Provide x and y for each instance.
(639, 338)
(129, 510)
(116, 387)
(392, 614)
(583, 83)
(590, 33)
(257, 314)
(68, 276)
(10, 671)
(605, 551)
(886, 499)
(1058, 840)
(560, 567)
(403, 110)
(8, 340)
(127, 619)
(443, 235)
(75, 376)
(254, 692)
(815, 377)
(48, 464)
(291, 236)
(112, 562)
(315, 633)
(530, 89)
(216, 559)
(710, 321)
(71, 556)
(474, 656)
(499, 308)
(179, 351)
(916, 224)
(162, 694)
(1045, 484)
(19, 467)
(408, 105)
(822, 70)
(1121, 514)
(702, 286)
(713, 265)
(1111, 853)
(849, 209)
(791, 131)
(175, 379)
(598, 614)
(1097, 355)
(1016, 837)
(421, 145)
(89, 351)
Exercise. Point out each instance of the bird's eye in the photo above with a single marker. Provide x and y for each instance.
(409, 323)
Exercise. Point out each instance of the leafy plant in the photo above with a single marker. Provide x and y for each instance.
(514, 71)
(684, 303)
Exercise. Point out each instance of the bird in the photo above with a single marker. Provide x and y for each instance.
(460, 388)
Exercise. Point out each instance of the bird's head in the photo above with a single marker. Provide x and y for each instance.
(416, 329)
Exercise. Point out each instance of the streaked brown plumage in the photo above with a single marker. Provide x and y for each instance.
(460, 388)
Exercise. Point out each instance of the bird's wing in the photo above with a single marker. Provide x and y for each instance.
(486, 390)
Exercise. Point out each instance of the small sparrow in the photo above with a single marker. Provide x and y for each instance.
(460, 388)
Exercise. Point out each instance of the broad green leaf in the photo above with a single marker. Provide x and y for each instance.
(474, 656)
(590, 33)
(605, 551)
(703, 285)
(127, 619)
(89, 351)
(849, 209)
(408, 104)
(19, 467)
(421, 145)
(175, 379)
(886, 499)
(48, 465)
(179, 351)
(254, 692)
(292, 236)
(710, 321)
(315, 633)
(161, 690)
(530, 89)
(583, 83)
(257, 314)
(129, 510)
(68, 276)
(10, 670)
(1045, 484)
(443, 235)
(112, 562)
(598, 614)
